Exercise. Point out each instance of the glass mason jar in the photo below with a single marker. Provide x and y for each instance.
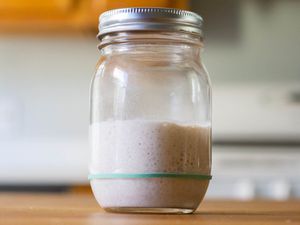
(150, 124)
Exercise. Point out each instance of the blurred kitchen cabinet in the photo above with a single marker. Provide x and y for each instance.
(65, 15)
(38, 15)
(16, 7)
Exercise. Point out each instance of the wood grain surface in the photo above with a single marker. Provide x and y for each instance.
(32, 209)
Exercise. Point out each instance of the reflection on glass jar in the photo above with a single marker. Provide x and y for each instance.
(150, 122)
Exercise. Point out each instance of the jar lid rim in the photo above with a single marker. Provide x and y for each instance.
(149, 19)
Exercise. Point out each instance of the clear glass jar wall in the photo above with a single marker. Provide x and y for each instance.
(150, 123)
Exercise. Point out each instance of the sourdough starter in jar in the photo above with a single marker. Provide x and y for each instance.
(150, 112)
(141, 146)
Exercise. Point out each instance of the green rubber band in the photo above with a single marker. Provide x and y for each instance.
(147, 175)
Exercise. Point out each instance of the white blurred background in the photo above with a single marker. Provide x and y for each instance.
(252, 52)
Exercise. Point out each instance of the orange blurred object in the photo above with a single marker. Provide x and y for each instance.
(66, 15)
(17, 7)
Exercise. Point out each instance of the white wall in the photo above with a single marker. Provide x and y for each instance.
(267, 49)
(44, 87)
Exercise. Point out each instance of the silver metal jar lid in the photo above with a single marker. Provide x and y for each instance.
(149, 19)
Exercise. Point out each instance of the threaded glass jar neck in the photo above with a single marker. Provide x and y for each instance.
(150, 37)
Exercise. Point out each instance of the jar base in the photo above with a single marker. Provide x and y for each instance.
(148, 210)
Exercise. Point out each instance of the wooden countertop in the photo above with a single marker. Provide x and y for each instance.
(33, 209)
